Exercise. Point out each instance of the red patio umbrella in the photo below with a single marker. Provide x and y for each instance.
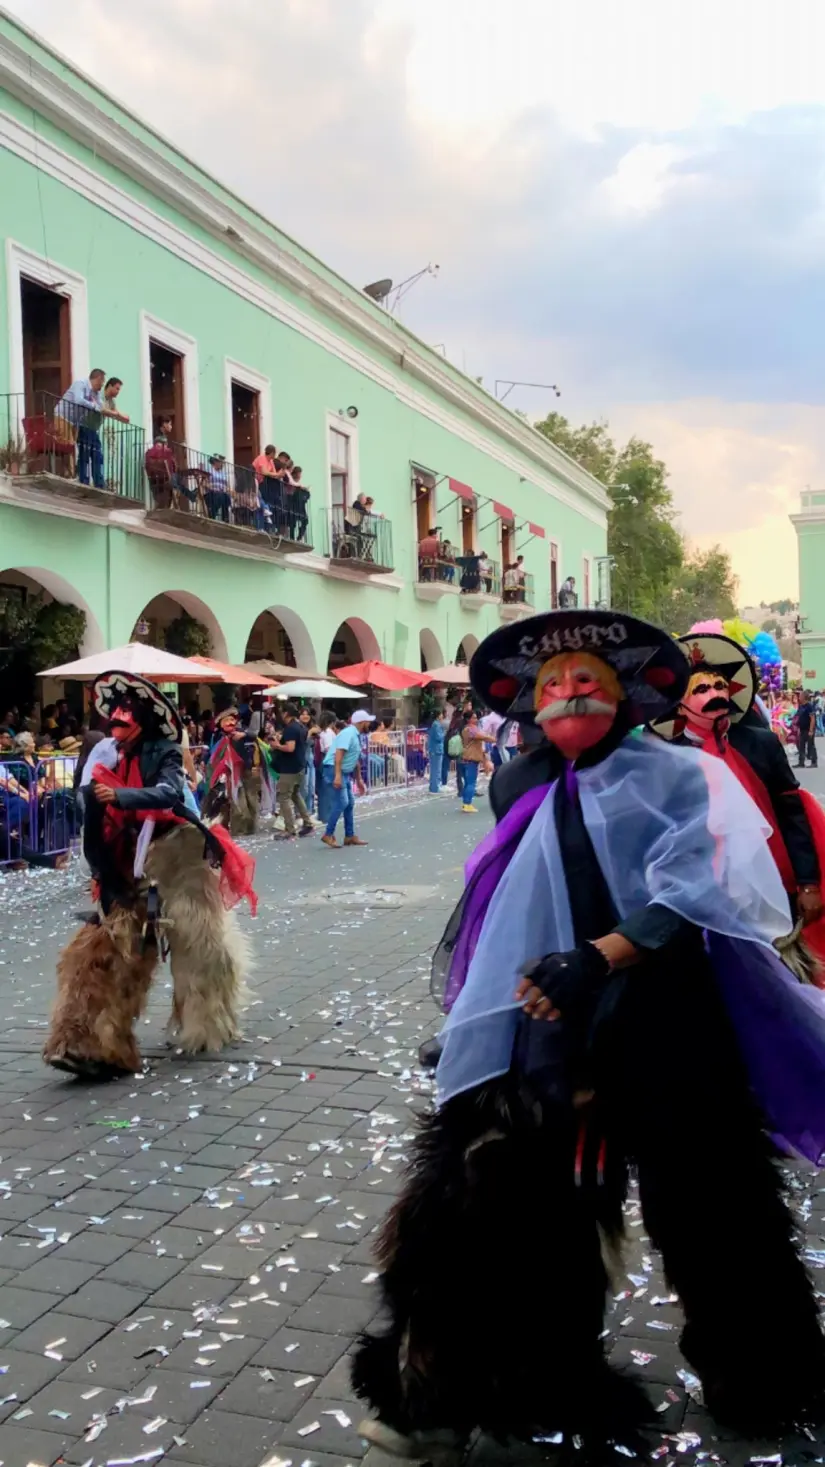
(382, 675)
(226, 672)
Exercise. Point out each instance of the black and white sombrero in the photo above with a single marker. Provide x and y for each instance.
(711, 652)
(112, 688)
(649, 664)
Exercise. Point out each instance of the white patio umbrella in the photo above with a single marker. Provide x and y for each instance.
(149, 662)
(307, 688)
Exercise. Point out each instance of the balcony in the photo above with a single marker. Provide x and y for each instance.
(204, 494)
(365, 546)
(438, 575)
(480, 582)
(518, 597)
(67, 451)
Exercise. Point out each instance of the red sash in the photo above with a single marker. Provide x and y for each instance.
(237, 867)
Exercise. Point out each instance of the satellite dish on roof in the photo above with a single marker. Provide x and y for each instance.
(379, 290)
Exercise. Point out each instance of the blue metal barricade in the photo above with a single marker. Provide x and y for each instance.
(38, 815)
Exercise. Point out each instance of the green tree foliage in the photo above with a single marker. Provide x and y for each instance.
(187, 637)
(654, 575)
(42, 633)
(773, 626)
(783, 608)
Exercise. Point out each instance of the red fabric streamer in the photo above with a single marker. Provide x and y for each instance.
(752, 784)
(237, 871)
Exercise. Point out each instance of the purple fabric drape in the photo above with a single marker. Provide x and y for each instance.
(779, 1023)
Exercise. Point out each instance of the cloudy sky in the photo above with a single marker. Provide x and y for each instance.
(624, 196)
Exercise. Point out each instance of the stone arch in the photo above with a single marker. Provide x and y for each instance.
(283, 634)
(158, 609)
(62, 590)
(359, 641)
(431, 653)
(466, 647)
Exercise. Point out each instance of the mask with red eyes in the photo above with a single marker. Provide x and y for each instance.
(576, 700)
(707, 704)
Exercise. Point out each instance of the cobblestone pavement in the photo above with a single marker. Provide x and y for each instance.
(185, 1257)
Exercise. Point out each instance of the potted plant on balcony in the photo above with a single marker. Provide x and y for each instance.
(13, 455)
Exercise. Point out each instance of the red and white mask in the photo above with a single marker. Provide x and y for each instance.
(576, 700)
(707, 705)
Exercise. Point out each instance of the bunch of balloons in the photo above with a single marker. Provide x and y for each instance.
(768, 658)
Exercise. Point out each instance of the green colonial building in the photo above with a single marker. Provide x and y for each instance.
(809, 524)
(123, 254)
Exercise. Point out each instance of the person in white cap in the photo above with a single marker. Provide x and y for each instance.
(342, 765)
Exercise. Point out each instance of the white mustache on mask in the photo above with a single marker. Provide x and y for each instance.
(574, 708)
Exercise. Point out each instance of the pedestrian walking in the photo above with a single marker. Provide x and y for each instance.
(806, 728)
(436, 739)
(329, 726)
(342, 767)
(289, 746)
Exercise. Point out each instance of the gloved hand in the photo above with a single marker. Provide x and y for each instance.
(564, 984)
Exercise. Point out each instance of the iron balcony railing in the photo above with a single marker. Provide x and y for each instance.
(209, 487)
(46, 435)
(478, 577)
(518, 588)
(440, 569)
(359, 540)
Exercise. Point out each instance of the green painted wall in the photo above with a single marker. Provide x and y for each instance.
(811, 542)
(113, 572)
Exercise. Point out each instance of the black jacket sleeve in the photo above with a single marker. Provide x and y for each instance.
(654, 927)
(166, 786)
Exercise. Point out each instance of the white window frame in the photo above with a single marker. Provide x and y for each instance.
(153, 329)
(551, 541)
(587, 580)
(255, 382)
(349, 428)
(21, 262)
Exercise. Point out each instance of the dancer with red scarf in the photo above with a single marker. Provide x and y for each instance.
(233, 775)
(716, 714)
(162, 880)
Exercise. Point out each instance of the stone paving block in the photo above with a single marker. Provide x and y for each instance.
(124, 1437)
(210, 1219)
(21, 1306)
(59, 1275)
(219, 1154)
(212, 1354)
(66, 1397)
(19, 1252)
(93, 1245)
(220, 1438)
(191, 1287)
(166, 1196)
(314, 1254)
(236, 1261)
(184, 1243)
(281, 1210)
(179, 1396)
(258, 1320)
(69, 1337)
(25, 1375)
(273, 1394)
(147, 1272)
(16, 1206)
(350, 1282)
(132, 1222)
(334, 1316)
(255, 1137)
(19, 1446)
(301, 1350)
(333, 1434)
(106, 1301)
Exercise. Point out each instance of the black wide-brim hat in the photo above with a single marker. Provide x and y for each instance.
(718, 654)
(649, 664)
(112, 687)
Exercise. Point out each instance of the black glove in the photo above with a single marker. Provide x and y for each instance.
(573, 981)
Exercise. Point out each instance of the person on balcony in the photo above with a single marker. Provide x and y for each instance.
(159, 464)
(82, 406)
(301, 496)
(354, 517)
(446, 563)
(217, 496)
(429, 554)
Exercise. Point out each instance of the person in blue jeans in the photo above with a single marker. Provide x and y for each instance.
(436, 741)
(342, 765)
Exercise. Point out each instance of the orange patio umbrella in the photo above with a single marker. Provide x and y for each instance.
(381, 675)
(226, 672)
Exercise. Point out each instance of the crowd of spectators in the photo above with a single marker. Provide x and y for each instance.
(438, 561)
(269, 496)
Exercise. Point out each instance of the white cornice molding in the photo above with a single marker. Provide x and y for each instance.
(44, 91)
(808, 517)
